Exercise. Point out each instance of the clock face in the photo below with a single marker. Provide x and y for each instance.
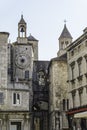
(22, 61)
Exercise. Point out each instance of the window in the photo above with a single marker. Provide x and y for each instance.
(62, 44)
(79, 65)
(73, 84)
(72, 52)
(72, 65)
(27, 74)
(66, 42)
(65, 104)
(16, 99)
(79, 48)
(41, 78)
(72, 69)
(80, 98)
(1, 98)
(80, 95)
(79, 68)
(73, 98)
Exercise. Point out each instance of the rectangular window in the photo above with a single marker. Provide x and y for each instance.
(79, 61)
(72, 69)
(73, 100)
(79, 68)
(67, 104)
(62, 44)
(80, 96)
(64, 105)
(27, 74)
(16, 98)
(72, 53)
(1, 98)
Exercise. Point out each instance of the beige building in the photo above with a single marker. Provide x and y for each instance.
(58, 87)
(77, 81)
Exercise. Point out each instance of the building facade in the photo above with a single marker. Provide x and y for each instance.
(77, 81)
(38, 95)
(16, 79)
(58, 87)
(33, 93)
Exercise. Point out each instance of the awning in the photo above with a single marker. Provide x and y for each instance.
(81, 115)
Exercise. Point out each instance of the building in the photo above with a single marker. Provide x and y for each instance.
(58, 87)
(16, 67)
(77, 81)
(40, 95)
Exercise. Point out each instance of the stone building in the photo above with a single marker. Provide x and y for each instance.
(58, 87)
(40, 95)
(24, 93)
(77, 81)
(16, 67)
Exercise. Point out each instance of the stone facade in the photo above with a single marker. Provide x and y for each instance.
(58, 87)
(77, 80)
(16, 67)
(58, 93)
(40, 95)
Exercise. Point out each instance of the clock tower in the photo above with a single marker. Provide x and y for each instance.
(23, 54)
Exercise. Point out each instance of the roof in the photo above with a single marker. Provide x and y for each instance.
(41, 65)
(22, 21)
(31, 38)
(61, 58)
(78, 41)
(65, 33)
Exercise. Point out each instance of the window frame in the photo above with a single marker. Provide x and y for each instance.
(14, 101)
(27, 73)
(79, 61)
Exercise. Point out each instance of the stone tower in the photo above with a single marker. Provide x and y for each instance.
(3, 59)
(23, 54)
(3, 69)
(65, 40)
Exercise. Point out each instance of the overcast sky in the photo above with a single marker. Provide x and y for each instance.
(45, 21)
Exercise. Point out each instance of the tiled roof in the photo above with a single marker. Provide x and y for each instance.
(31, 38)
(65, 33)
(61, 58)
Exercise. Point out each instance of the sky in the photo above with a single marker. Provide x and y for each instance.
(45, 21)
